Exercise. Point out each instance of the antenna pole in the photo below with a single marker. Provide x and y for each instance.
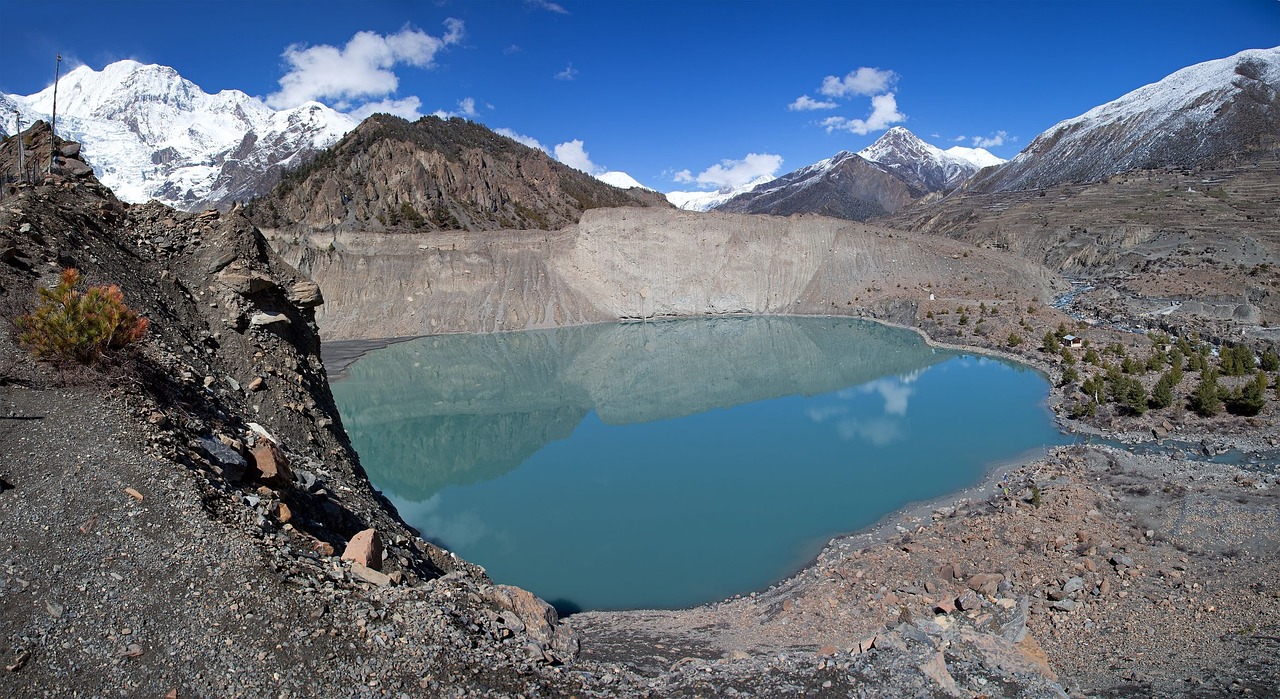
(22, 156)
(53, 125)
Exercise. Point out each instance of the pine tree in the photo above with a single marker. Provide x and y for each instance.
(1162, 394)
(1251, 397)
(1270, 360)
(1206, 399)
(1135, 396)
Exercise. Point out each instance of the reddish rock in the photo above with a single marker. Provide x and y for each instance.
(254, 385)
(272, 464)
(365, 548)
(369, 575)
(986, 583)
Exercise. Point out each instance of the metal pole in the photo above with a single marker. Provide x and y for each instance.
(53, 124)
(22, 159)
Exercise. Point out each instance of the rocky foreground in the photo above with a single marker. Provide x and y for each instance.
(189, 520)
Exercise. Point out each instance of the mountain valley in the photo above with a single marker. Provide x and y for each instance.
(186, 518)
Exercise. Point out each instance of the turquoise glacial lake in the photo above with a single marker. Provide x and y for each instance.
(668, 464)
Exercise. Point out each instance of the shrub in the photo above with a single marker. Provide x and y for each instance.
(1251, 397)
(1070, 376)
(1270, 360)
(1206, 400)
(1236, 360)
(1014, 340)
(71, 326)
(1162, 394)
(1083, 408)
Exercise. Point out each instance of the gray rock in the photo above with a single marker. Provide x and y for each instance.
(221, 261)
(1066, 605)
(227, 461)
(1122, 561)
(69, 149)
(76, 168)
(260, 320)
(1073, 585)
(969, 600)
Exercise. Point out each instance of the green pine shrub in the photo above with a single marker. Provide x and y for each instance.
(70, 326)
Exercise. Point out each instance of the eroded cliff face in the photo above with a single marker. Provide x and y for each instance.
(636, 263)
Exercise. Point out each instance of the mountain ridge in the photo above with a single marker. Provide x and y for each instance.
(435, 174)
(896, 170)
(1201, 114)
(149, 133)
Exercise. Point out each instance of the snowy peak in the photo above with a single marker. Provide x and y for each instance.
(1202, 114)
(149, 133)
(934, 168)
(899, 144)
(978, 157)
(619, 179)
(706, 201)
(896, 170)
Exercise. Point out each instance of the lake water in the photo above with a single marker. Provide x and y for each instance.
(668, 464)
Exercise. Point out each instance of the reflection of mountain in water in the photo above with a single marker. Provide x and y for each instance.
(458, 409)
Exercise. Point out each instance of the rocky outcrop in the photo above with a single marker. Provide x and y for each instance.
(435, 174)
(640, 263)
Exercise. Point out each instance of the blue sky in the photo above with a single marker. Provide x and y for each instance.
(657, 89)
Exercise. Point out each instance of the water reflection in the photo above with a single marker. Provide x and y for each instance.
(667, 464)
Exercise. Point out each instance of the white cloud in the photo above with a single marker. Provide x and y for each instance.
(733, 173)
(520, 138)
(959, 139)
(569, 73)
(574, 154)
(863, 81)
(996, 140)
(884, 111)
(466, 108)
(406, 108)
(359, 70)
(547, 5)
(805, 103)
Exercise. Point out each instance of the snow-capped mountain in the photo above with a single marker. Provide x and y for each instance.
(1197, 115)
(151, 134)
(896, 170)
(619, 179)
(707, 200)
(926, 166)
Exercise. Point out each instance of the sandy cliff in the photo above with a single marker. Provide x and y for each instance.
(640, 263)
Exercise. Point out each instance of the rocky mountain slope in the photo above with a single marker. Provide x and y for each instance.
(884, 177)
(1201, 115)
(638, 263)
(156, 135)
(435, 174)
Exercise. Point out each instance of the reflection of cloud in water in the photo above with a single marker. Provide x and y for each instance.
(822, 413)
(454, 532)
(895, 391)
(878, 431)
